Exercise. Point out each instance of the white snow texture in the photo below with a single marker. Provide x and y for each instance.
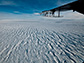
(47, 41)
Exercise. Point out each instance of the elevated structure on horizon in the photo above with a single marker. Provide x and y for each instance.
(75, 6)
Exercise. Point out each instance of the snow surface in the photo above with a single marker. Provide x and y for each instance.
(47, 41)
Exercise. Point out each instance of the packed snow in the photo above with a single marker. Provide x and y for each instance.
(47, 41)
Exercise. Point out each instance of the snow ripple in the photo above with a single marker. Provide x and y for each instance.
(31, 45)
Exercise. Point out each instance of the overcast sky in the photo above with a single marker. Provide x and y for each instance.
(19, 9)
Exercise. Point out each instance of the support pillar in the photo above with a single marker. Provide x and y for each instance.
(58, 13)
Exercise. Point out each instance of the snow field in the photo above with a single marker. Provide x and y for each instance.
(41, 42)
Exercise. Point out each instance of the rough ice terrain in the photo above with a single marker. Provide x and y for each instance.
(47, 41)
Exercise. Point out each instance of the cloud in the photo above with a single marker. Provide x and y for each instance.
(62, 2)
(7, 3)
(69, 15)
(18, 17)
(59, 2)
(36, 13)
(16, 12)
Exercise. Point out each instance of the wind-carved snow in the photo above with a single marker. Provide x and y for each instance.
(42, 42)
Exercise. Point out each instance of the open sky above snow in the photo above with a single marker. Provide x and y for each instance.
(29, 9)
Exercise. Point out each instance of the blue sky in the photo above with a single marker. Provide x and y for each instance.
(29, 6)
(9, 9)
